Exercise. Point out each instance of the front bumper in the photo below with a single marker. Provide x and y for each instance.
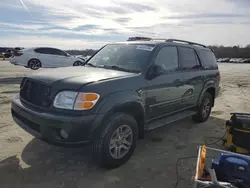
(45, 126)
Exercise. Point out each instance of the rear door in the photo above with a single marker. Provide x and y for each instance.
(163, 92)
(192, 76)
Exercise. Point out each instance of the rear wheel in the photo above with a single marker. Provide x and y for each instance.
(204, 109)
(117, 142)
(34, 64)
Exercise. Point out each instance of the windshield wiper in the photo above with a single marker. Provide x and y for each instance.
(119, 68)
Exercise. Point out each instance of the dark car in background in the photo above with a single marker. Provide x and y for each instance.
(8, 53)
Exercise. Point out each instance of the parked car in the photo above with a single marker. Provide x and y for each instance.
(35, 58)
(3, 49)
(238, 60)
(245, 61)
(219, 59)
(233, 60)
(226, 60)
(123, 90)
(8, 53)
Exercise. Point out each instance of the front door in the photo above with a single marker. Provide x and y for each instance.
(60, 58)
(163, 92)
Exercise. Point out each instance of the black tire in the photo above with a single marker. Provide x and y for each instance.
(206, 105)
(102, 151)
(77, 63)
(34, 64)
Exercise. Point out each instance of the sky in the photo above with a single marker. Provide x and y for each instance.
(84, 24)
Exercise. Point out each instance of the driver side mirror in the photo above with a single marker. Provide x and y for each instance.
(156, 70)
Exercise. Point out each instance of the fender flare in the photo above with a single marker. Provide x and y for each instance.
(115, 100)
(120, 101)
(207, 85)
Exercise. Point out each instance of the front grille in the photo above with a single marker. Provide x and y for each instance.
(36, 93)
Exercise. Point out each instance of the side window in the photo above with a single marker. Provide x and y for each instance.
(188, 58)
(168, 57)
(43, 50)
(54, 51)
(60, 52)
(208, 59)
(39, 50)
(63, 53)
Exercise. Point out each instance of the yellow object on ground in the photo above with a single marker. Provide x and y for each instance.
(229, 140)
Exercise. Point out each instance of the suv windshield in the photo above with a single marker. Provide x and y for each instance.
(124, 57)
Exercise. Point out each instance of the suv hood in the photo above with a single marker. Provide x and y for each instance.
(77, 75)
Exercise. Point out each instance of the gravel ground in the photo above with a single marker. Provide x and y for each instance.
(28, 162)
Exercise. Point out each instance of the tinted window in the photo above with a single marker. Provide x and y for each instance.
(208, 59)
(51, 51)
(41, 50)
(188, 58)
(168, 57)
(54, 51)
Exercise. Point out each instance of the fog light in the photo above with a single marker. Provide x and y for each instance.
(64, 134)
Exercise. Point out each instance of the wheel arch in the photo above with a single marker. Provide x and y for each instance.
(130, 105)
(134, 109)
(210, 88)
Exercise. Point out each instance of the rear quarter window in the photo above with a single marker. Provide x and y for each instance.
(40, 50)
(208, 59)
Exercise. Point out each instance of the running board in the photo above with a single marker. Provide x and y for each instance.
(170, 119)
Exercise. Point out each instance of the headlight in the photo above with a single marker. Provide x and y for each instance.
(75, 101)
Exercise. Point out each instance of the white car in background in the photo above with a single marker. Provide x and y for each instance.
(35, 58)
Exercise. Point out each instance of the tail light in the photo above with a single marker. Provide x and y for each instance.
(18, 54)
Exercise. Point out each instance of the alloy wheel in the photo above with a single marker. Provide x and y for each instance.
(121, 142)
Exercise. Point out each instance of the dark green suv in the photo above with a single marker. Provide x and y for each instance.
(123, 90)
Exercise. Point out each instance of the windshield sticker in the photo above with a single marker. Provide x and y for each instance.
(145, 47)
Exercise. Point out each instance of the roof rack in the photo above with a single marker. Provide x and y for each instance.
(166, 40)
(184, 41)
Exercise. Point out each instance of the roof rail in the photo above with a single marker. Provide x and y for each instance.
(184, 41)
(166, 40)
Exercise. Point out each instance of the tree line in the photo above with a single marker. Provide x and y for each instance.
(231, 52)
(87, 52)
(220, 51)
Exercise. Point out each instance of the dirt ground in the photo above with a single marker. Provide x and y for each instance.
(28, 162)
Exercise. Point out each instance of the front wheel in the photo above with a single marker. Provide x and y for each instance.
(117, 142)
(77, 63)
(204, 109)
